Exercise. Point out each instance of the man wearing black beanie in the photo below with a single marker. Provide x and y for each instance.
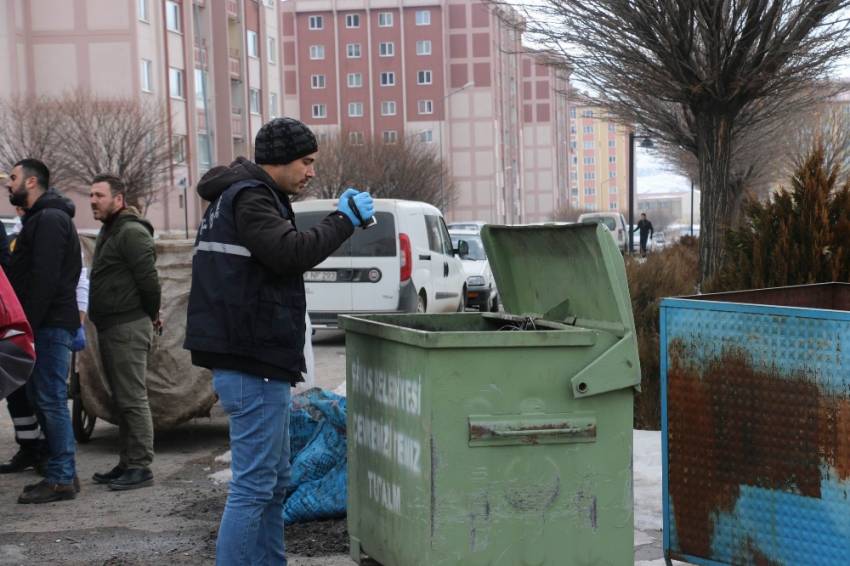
(246, 320)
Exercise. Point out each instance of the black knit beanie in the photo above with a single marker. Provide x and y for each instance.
(282, 141)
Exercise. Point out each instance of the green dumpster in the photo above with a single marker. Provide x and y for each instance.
(500, 438)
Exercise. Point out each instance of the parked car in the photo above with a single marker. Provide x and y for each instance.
(471, 226)
(405, 263)
(481, 291)
(614, 221)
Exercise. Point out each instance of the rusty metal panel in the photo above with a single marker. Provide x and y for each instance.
(756, 418)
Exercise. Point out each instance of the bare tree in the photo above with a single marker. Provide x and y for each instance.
(121, 136)
(409, 170)
(697, 74)
(566, 213)
(28, 129)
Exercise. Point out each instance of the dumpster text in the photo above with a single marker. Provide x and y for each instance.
(392, 391)
(385, 493)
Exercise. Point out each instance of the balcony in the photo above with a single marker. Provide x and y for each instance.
(201, 57)
(237, 122)
(235, 64)
(232, 8)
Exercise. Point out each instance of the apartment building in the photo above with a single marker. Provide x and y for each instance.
(451, 72)
(599, 161)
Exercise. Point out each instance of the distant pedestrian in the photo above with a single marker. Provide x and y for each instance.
(124, 301)
(646, 232)
(44, 271)
(246, 320)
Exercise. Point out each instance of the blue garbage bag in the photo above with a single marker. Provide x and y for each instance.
(318, 487)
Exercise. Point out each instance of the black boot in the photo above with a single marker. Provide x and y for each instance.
(24, 459)
(132, 478)
(112, 474)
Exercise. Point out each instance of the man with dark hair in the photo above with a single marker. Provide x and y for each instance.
(246, 320)
(646, 232)
(124, 300)
(44, 270)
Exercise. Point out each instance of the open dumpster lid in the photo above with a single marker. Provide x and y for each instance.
(566, 273)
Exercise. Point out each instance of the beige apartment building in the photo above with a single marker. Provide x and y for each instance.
(450, 72)
(599, 161)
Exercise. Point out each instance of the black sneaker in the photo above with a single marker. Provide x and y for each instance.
(132, 478)
(24, 459)
(107, 477)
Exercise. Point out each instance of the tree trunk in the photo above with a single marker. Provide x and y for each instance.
(714, 146)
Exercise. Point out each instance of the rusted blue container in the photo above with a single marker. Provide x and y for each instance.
(756, 426)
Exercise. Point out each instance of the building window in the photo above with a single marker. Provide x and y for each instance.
(178, 148)
(317, 52)
(574, 191)
(355, 80)
(386, 49)
(204, 152)
(612, 174)
(355, 109)
(268, 3)
(589, 175)
(589, 191)
(613, 206)
(388, 79)
(589, 161)
(253, 44)
(588, 144)
(573, 129)
(425, 106)
(200, 88)
(147, 75)
(426, 137)
(423, 18)
(352, 20)
(175, 83)
(423, 78)
(573, 176)
(254, 100)
(353, 50)
(587, 113)
(317, 81)
(143, 10)
(172, 16)
(572, 112)
(388, 108)
(316, 22)
(588, 129)
(273, 105)
(390, 136)
(575, 160)
(612, 143)
(271, 47)
(385, 19)
(423, 47)
(355, 138)
(320, 111)
(612, 127)
(612, 189)
(612, 159)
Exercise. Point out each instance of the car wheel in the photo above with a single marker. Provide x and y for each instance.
(421, 303)
(462, 302)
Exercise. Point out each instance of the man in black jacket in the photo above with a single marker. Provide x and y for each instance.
(246, 320)
(44, 270)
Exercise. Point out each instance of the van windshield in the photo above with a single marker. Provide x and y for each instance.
(606, 220)
(377, 241)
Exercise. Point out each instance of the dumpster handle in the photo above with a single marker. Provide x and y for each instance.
(505, 430)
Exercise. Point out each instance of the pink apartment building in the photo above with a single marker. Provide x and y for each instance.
(451, 72)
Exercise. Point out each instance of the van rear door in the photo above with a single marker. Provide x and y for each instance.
(376, 266)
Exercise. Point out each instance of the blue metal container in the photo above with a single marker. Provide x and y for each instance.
(756, 426)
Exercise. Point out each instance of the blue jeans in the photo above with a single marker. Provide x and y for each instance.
(251, 530)
(47, 390)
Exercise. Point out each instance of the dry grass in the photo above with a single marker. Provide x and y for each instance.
(669, 273)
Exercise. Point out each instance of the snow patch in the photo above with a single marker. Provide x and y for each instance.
(647, 480)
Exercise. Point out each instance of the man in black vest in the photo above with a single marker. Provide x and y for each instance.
(246, 320)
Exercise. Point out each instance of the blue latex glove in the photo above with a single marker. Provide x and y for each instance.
(365, 205)
(363, 202)
(79, 342)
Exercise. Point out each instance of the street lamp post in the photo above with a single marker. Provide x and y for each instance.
(645, 143)
(442, 160)
(692, 207)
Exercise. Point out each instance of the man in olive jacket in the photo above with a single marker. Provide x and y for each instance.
(124, 299)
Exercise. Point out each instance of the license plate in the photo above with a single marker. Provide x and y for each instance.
(325, 276)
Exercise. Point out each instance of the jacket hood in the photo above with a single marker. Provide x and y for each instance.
(220, 178)
(53, 199)
(132, 214)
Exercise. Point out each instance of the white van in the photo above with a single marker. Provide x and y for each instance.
(405, 263)
(614, 221)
